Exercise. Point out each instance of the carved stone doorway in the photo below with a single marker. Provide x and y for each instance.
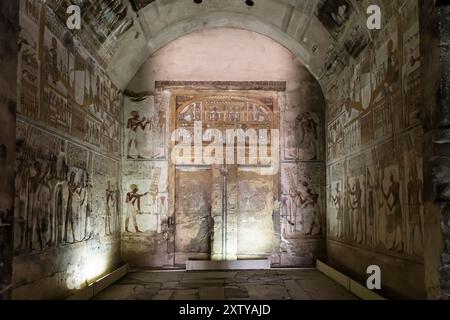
(222, 211)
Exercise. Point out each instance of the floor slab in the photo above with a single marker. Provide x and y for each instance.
(226, 285)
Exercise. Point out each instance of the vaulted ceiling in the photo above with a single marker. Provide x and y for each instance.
(323, 34)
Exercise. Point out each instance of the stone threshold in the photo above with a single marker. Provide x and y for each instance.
(261, 264)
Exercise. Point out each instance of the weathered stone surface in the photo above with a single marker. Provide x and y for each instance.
(9, 32)
(322, 289)
(265, 214)
(267, 292)
(295, 291)
(66, 218)
(117, 292)
(186, 295)
(236, 293)
(212, 293)
(308, 285)
(386, 122)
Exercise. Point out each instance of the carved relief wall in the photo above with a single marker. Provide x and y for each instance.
(67, 201)
(374, 154)
(104, 22)
(9, 21)
(180, 90)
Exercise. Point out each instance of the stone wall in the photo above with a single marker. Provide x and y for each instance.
(235, 64)
(9, 30)
(66, 226)
(375, 152)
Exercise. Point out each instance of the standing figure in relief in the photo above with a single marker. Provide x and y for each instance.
(87, 201)
(53, 58)
(297, 195)
(110, 200)
(371, 191)
(73, 188)
(348, 210)
(42, 205)
(414, 208)
(307, 128)
(23, 181)
(394, 217)
(357, 211)
(33, 217)
(337, 201)
(286, 212)
(314, 227)
(133, 201)
(133, 124)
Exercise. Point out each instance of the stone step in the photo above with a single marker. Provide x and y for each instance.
(260, 264)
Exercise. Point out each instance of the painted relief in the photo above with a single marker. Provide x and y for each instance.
(145, 197)
(302, 206)
(302, 135)
(75, 98)
(335, 138)
(146, 123)
(106, 196)
(216, 112)
(28, 78)
(67, 157)
(197, 194)
(357, 39)
(375, 180)
(105, 23)
(411, 63)
(335, 201)
(56, 192)
(334, 14)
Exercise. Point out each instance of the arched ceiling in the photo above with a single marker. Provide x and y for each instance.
(321, 33)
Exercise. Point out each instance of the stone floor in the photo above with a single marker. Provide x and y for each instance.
(221, 285)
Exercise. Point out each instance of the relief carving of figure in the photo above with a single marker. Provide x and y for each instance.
(308, 134)
(53, 58)
(415, 200)
(73, 190)
(134, 123)
(347, 212)
(40, 207)
(133, 201)
(110, 205)
(356, 192)
(313, 221)
(304, 209)
(337, 202)
(87, 201)
(394, 216)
